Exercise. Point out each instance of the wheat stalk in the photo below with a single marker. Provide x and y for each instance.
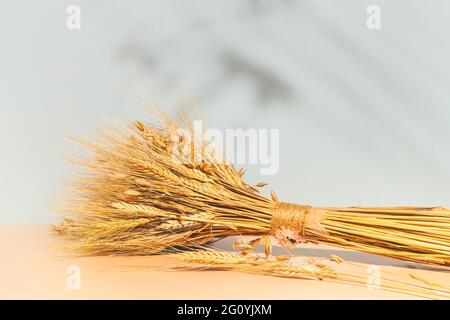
(142, 194)
(212, 259)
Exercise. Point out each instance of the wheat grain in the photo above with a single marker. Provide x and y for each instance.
(135, 173)
(312, 269)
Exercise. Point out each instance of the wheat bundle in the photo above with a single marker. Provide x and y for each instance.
(144, 194)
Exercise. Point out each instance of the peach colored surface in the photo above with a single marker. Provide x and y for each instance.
(32, 268)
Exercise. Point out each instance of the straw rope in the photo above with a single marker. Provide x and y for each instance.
(302, 218)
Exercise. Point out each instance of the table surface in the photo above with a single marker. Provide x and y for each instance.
(34, 268)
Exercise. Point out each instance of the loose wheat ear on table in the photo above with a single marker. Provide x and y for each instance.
(142, 194)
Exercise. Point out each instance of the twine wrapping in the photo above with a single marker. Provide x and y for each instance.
(301, 218)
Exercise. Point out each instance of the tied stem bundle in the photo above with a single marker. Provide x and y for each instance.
(145, 192)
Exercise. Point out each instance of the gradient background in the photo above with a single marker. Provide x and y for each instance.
(364, 115)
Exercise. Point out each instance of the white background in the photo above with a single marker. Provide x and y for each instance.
(364, 114)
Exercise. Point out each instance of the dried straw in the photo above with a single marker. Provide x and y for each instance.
(212, 259)
(142, 194)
